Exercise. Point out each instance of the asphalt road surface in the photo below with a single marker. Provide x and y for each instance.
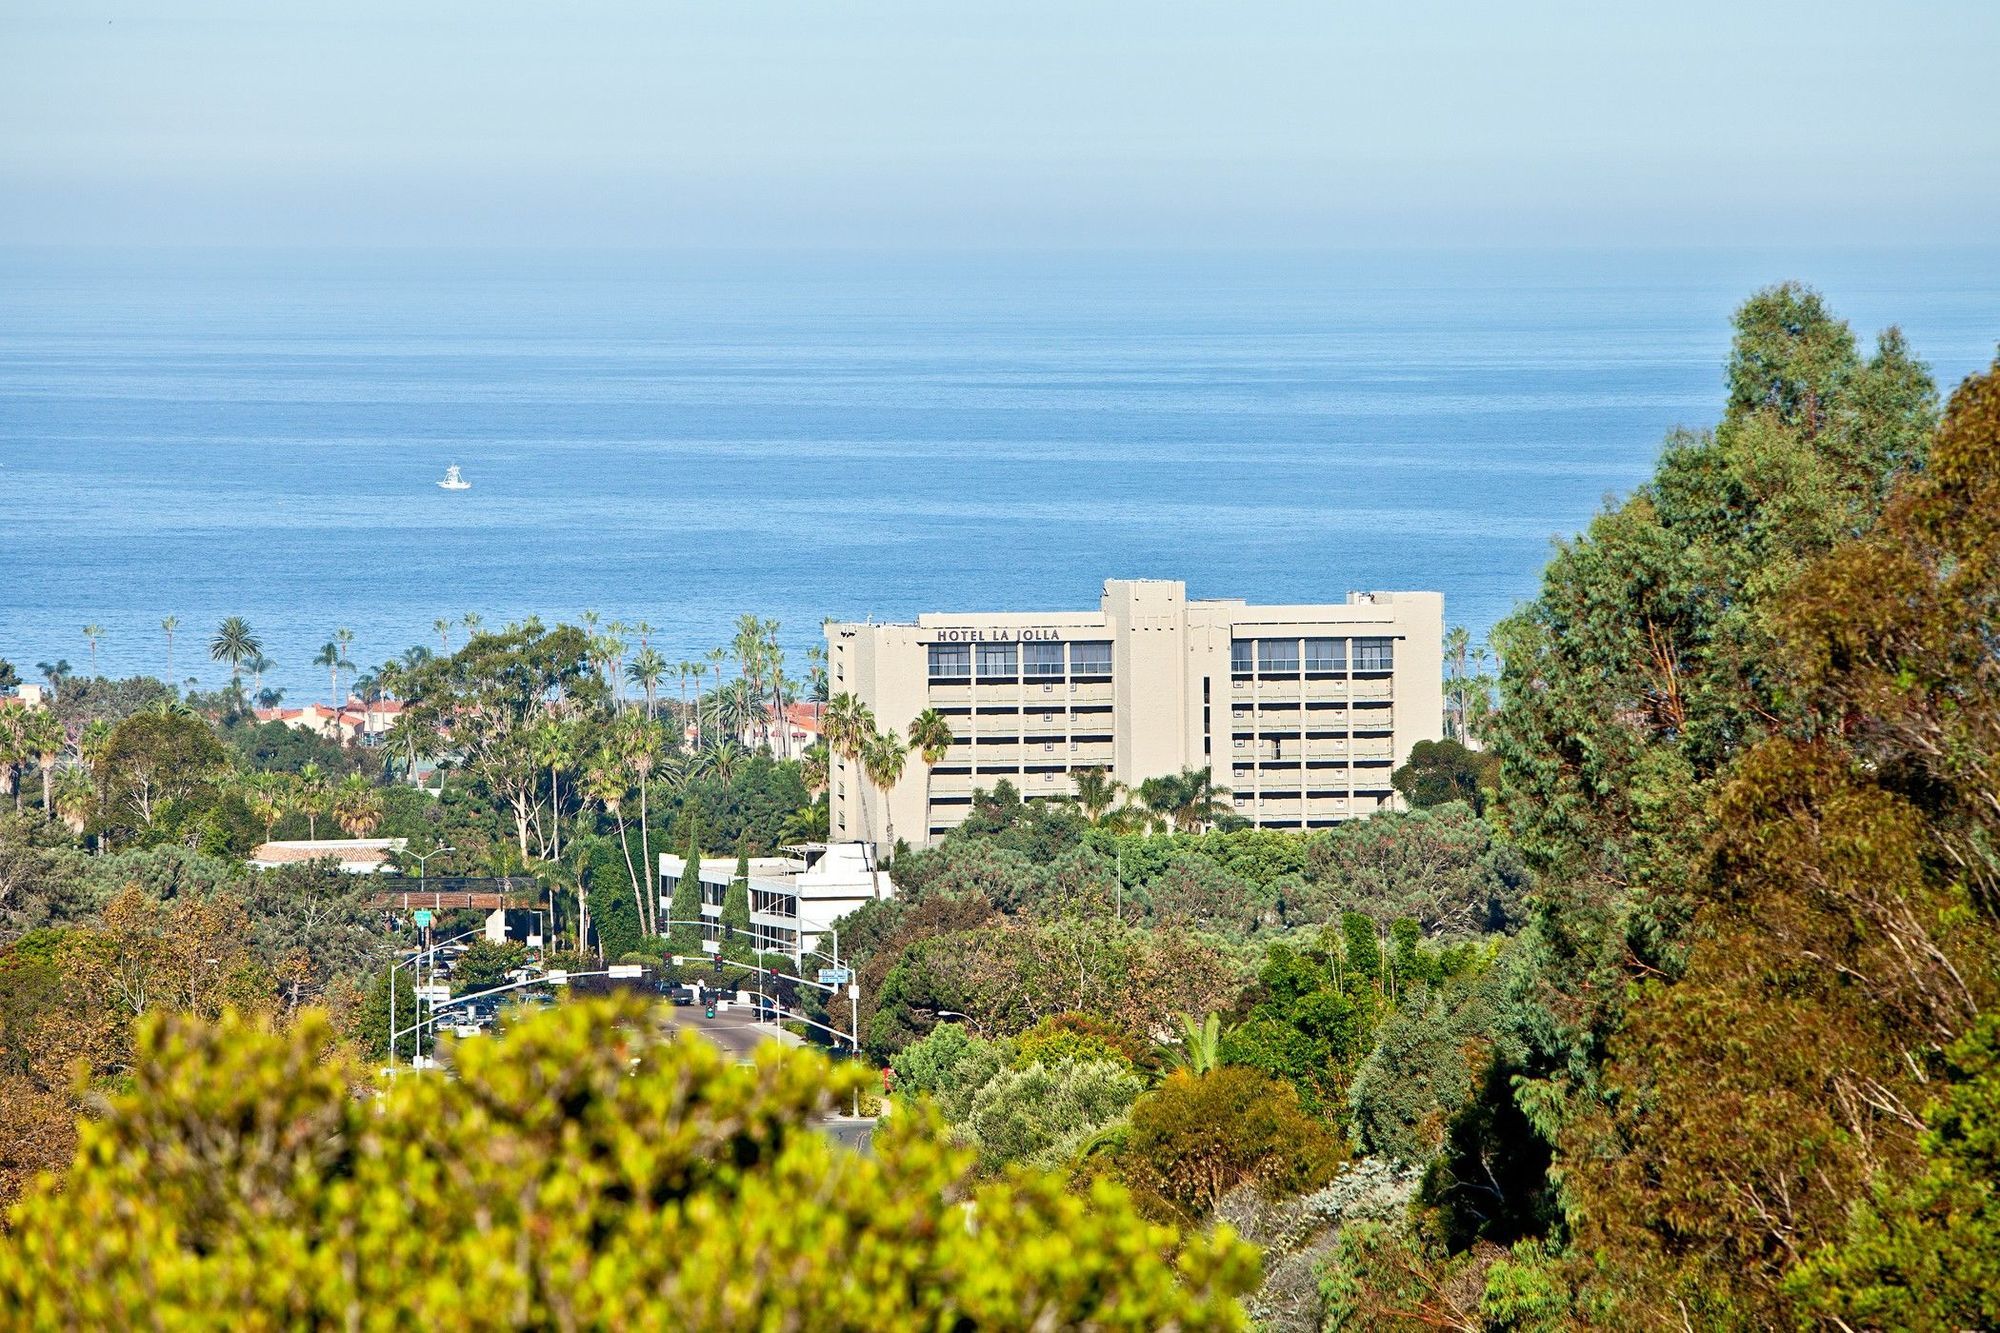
(731, 1029)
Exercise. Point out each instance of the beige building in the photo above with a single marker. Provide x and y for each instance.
(1301, 712)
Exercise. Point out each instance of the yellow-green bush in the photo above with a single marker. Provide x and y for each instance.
(580, 1172)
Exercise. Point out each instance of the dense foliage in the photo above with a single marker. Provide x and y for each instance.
(578, 1173)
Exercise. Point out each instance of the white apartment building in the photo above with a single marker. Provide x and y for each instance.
(794, 898)
(1302, 712)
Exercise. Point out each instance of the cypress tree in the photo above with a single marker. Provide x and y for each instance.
(736, 910)
(686, 906)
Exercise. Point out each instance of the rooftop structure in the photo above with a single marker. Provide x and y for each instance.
(357, 856)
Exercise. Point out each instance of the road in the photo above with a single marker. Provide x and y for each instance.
(731, 1029)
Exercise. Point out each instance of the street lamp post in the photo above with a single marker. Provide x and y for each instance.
(422, 857)
(417, 958)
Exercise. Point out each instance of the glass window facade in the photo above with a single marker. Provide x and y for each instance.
(1090, 659)
(1278, 655)
(998, 660)
(1043, 659)
(1326, 654)
(951, 661)
(1239, 656)
(1374, 654)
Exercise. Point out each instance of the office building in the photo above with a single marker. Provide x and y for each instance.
(794, 898)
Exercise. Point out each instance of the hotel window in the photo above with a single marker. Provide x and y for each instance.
(951, 661)
(1239, 657)
(1090, 659)
(1278, 655)
(1326, 654)
(997, 660)
(1373, 655)
(1044, 659)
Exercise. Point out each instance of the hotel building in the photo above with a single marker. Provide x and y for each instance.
(1302, 712)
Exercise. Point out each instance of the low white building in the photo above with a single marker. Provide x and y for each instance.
(794, 898)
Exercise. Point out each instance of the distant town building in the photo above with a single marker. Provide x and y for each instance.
(794, 898)
(356, 856)
(1301, 712)
(788, 739)
(357, 720)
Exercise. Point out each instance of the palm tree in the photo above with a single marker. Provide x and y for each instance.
(56, 673)
(443, 627)
(638, 742)
(406, 734)
(472, 620)
(169, 624)
(257, 665)
(847, 726)
(612, 649)
(748, 645)
(15, 751)
(345, 638)
(268, 795)
(93, 633)
(716, 657)
(883, 759)
(312, 793)
(736, 710)
(356, 806)
(646, 671)
(931, 738)
(1457, 642)
(43, 737)
(235, 643)
(816, 685)
(687, 671)
(1188, 800)
(75, 798)
(814, 762)
(645, 633)
(329, 657)
(92, 741)
(604, 782)
(1096, 792)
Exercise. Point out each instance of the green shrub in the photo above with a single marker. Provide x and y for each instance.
(580, 1172)
(1196, 1137)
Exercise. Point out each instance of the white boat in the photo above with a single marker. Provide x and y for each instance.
(453, 482)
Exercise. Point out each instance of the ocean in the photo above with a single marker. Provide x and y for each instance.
(681, 439)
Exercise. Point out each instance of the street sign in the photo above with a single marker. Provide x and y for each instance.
(534, 941)
(557, 978)
(711, 946)
(835, 976)
(422, 916)
(624, 971)
(434, 994)
(853, 991)
(677, 960)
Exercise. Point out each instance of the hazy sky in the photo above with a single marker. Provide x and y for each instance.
(1085, 123)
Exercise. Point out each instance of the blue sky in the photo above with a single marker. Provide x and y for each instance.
(1079, 124)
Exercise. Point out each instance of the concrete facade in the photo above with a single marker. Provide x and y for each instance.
(794, 898)
(1302, 712)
